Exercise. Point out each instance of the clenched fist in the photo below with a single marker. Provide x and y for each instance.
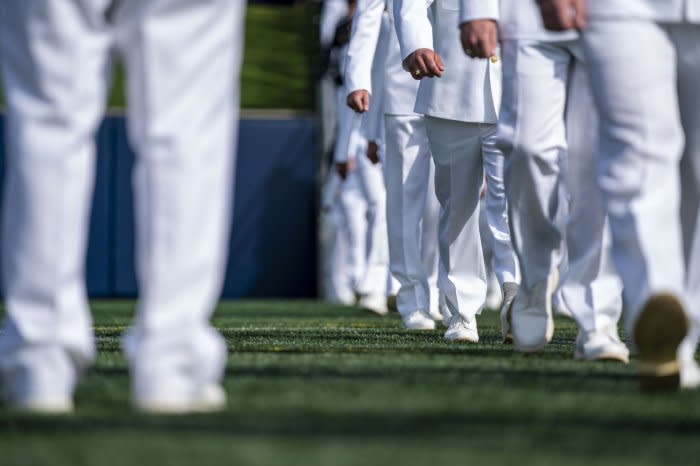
(561, 15)
(479, 38)
(424, 63)
(358, 100)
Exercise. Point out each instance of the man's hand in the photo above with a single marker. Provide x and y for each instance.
(373, 152)
(358, 100)
(561, 15)
(424, 63)
(479, 38)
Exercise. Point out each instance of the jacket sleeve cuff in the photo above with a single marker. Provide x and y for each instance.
(414, 40)
(413, 27)
(355, 83)
(471, 10)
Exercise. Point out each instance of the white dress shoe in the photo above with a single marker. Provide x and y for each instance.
(418, 320)
(210, 398)
(531, 319)
(376, 303)
(462, 329)
(602, 345)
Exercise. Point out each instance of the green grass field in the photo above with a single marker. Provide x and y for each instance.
(312, 384)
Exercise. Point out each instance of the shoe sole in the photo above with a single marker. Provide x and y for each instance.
(166, 409)
(424, 328)
(603, 356)
(42, 408)
(462, 339)
(379, 312)
(211, 399)
(426, 324)
(660, 329)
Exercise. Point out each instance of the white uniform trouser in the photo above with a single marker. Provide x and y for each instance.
(429, 252)
(371, 180)
(336, 279)
(494, 291)
(336, 282)
(353, 207)
(505, 261)
(542, 81)
(412, 212)
(460, 150)
(645, 87)
(55, 63)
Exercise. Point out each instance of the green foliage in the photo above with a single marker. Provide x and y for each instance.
(281, 63)
(281, 59)
(313, 384)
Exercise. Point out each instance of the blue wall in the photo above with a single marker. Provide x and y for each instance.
(273, 240)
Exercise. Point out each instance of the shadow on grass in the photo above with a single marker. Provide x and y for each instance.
(520, 378)
(299, 425)
(352, 340)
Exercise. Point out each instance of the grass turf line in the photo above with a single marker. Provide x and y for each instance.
(314, 384)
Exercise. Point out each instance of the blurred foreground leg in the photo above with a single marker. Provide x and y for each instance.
(640, 149)
(54, 64)
(183, 59)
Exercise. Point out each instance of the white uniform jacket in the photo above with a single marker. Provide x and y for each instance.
(518, 19)
(372, 128)
(670, 11)
(348, 130)
(332, 12)
(469, 89)
(399, 88)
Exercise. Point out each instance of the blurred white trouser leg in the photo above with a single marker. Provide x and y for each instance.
(590, 286)
(429, 252)
(686, 37)
(353, 210)
(407, 173)
(532, 136)
(640, 150)
(493, 293)
(505, 261)
(335, 274)
(371, 180)
(54, 65)
(183, 58)
(458, 150)
(543, 80)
